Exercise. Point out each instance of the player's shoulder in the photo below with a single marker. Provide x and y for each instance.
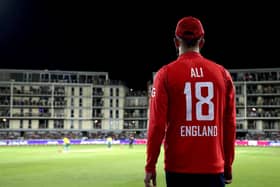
(160, 72)
(164, 68)
(214, 64)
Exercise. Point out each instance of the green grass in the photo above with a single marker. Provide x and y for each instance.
(98, 166)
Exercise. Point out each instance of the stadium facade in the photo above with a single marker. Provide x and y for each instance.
(38, 102)
(34, 103)
(257, 103)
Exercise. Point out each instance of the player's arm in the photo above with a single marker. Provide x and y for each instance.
(157, 120)
(229, 128)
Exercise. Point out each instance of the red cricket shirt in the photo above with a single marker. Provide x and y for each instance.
(192, 108)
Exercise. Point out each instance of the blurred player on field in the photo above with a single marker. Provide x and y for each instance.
(66, 144)
(131, 141)
(109, 141)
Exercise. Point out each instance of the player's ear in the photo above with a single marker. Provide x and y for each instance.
(176, 42)
(201, 42)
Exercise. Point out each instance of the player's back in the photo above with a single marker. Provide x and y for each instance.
(196, 89)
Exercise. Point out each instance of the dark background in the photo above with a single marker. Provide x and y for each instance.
(133, 39)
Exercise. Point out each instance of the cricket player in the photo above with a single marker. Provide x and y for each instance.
(109, 141)
(66, 143)
(192, 110)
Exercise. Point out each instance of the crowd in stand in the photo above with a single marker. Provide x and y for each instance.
(72, 135)
(117, 136)
(275, 136)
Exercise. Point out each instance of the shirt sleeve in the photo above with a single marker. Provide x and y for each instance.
(229, 126)
(157, 120)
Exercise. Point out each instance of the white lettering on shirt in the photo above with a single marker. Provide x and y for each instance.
(196, 72)
(198, 130)
(153, 92)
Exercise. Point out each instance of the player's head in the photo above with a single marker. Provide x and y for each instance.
(190, 31)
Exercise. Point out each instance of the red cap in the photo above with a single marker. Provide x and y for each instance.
(189, 28)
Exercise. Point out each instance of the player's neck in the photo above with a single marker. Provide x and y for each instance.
(183, 50)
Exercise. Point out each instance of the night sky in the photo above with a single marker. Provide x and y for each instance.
(131, 40)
